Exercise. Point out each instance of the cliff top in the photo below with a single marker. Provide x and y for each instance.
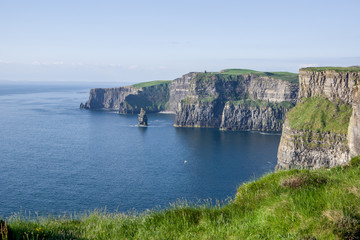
(151, 83)
(286, 76)
(336, 69)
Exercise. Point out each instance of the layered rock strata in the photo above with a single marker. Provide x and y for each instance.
(323, 146)
(129, 99)
(207, 100)
(236, 102)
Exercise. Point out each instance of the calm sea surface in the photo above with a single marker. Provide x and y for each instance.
(56, 158)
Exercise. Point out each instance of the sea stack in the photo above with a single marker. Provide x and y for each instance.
(143, 120)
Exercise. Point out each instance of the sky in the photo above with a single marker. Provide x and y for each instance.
(135, 41)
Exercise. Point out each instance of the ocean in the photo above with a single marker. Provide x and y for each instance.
(58, 159)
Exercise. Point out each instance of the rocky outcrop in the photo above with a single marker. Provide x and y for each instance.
(129, 99)
(142, 118)
(199, 114)
(354, 125)
(334, 85)
(311, 150)
(208, 100)
(179, 89)
(245, 115)
(323, 146)
(213, 101)
(108, 98)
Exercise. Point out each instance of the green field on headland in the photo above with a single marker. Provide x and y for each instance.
(151, 83)
(286, 76)
(336, 69)
(295, 204)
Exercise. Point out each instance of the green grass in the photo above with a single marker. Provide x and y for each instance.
(286, 76)
(320, 115)
(151, 83)
(295, 204)
(336, 69)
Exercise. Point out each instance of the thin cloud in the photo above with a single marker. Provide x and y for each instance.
(133, 67)
(305, 65)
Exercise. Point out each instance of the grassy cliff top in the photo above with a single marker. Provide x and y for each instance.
(336, 69)
(320, 114)
(151, 83)
(286, 76)
(295, 204)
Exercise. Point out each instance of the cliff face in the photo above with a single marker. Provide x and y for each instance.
(354, 125)
(245, 115)
(129, 99)
(331, 84)
(311, 149)
(319, 131)
(236, 102)
(179, 89)
(108, 98)
(209, 99)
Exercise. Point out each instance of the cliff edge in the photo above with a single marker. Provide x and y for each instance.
(322, 130)
(233, 99)
(238, 99)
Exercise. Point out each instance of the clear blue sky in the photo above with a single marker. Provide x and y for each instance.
(109, 40)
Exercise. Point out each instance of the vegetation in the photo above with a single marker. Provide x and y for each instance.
(152, 98)
(320, 115)
(151, 83)
(286, 76)
(295, 204)
(336, 69)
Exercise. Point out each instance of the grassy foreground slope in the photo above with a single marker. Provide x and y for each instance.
(295, 204)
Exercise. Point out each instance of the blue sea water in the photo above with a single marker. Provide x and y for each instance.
(56, 158)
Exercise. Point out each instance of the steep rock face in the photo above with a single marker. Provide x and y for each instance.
(151, 99)
(266, 89)
(197, 114)
(334, 85)
(129, 99)
(354, 125)
(108, 98)
(307, 149)
(179, 89)
(258, 117)
(210, 102)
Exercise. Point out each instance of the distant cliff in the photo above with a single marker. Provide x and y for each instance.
(151, 96)
(238, 100)
(235, 99)
(322, 130)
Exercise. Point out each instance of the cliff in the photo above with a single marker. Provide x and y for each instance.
(322, 130)
(152, 96)
(237, 100)
(179, 89)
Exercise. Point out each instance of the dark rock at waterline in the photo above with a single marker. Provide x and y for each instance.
(143, 120)
(82, 106)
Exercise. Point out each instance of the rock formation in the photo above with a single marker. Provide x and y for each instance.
(354, 125)
(130, 99)
(235, 100)
(143, 120)
(179, 89)
(327, 137)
